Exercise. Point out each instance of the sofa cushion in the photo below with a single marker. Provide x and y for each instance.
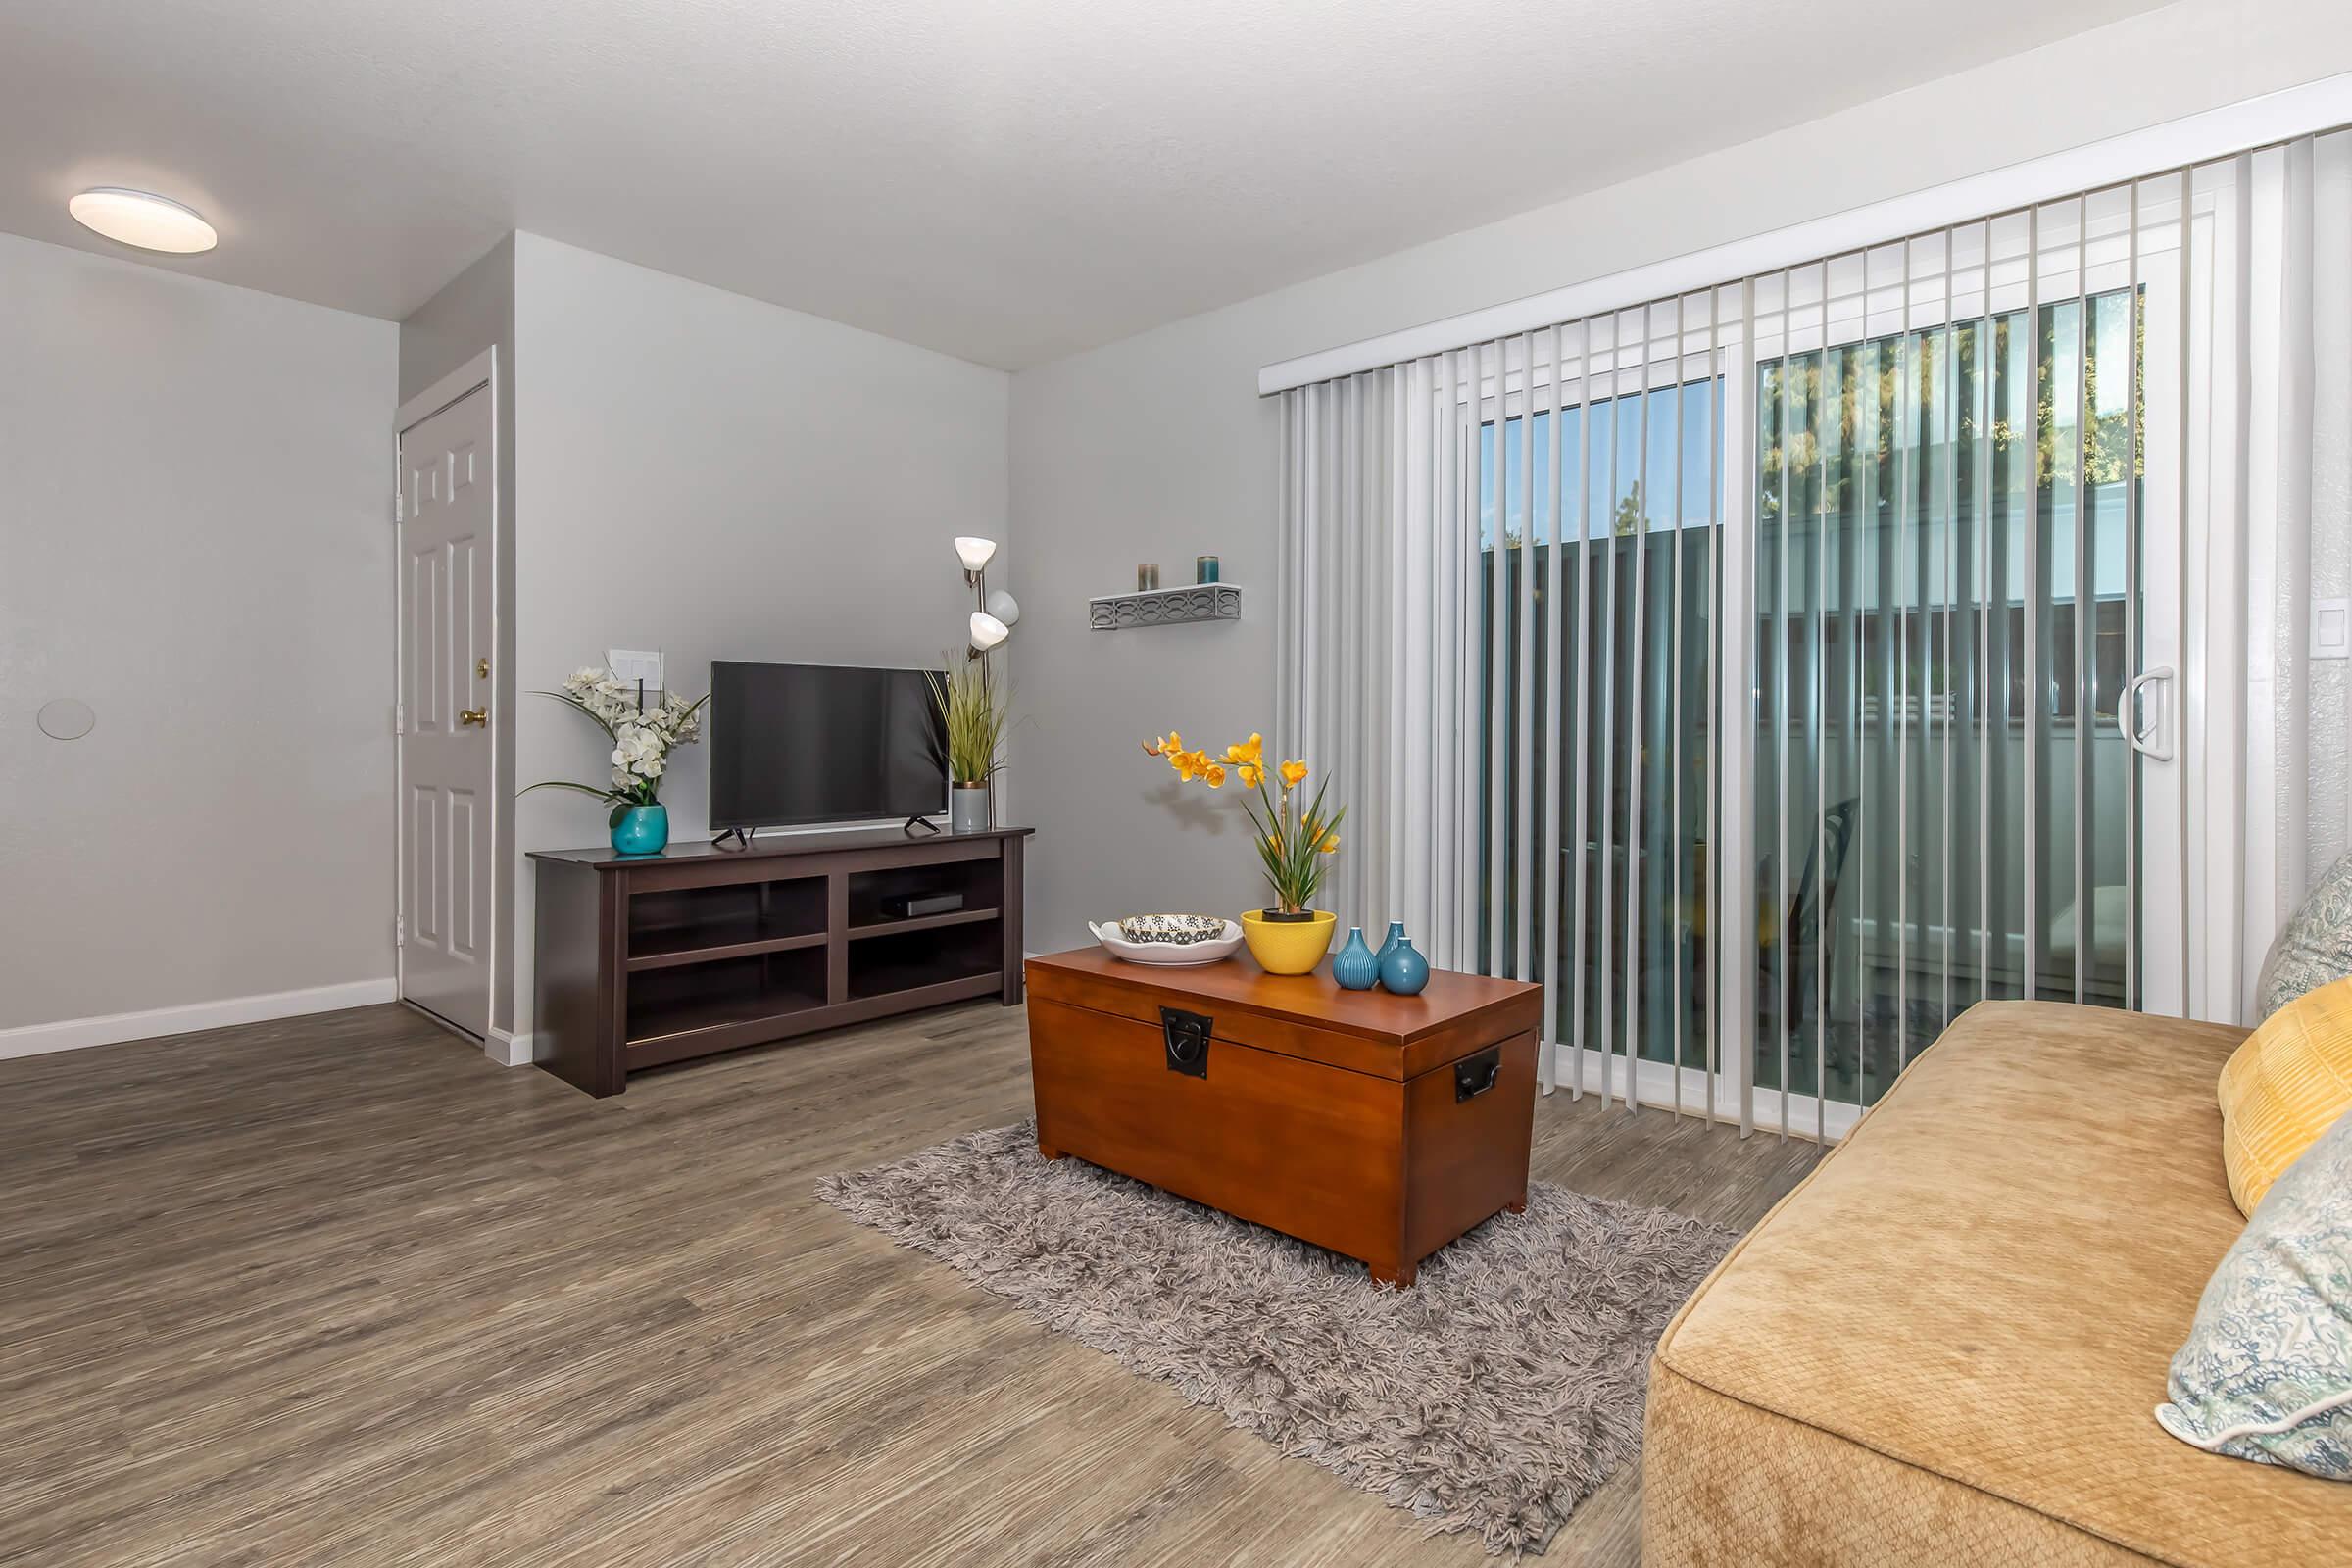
(2284, 1087)
(1988, 1282)
(2266, 1372)
(2314, 947)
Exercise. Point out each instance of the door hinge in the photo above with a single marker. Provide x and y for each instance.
(400, 718)
(400, 930)
(399, 512)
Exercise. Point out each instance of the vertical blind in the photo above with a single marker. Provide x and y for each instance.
(1950, 511)
(1761, 670)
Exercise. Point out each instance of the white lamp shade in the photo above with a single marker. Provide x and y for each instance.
(1004, 607)
(976, 553)
(988, 630)
(151, 223)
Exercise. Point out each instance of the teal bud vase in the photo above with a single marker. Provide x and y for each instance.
(1388, 943)
(642, 830)
(1355, 967)
(1405, 971)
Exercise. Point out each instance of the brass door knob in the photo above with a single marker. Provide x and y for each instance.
(473, 716)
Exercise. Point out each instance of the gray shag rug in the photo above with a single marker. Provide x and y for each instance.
(1493, 1396)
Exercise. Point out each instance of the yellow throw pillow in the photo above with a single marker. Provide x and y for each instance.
(2284, 1087)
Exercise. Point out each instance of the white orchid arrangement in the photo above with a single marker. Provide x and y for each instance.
(642, 738)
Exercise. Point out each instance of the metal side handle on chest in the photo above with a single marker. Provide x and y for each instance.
(1187, 1036)
(1475, 1074)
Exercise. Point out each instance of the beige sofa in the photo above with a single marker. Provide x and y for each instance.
(1943, 1346)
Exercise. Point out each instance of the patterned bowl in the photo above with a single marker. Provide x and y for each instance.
(1158, 947)
(1184, 930)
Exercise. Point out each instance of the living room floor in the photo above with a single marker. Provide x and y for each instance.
(338, 1290)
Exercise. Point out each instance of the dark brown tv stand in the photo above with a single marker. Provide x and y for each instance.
(649, 960)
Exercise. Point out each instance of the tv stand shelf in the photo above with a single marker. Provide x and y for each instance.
(920, 922)
(656, 959)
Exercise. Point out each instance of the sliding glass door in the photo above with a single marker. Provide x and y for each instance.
(1904, 530)
(1947, 590)
(1958, 571)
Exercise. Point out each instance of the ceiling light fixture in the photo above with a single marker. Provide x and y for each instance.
(137, 218)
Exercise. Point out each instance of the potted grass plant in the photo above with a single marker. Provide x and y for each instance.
(974, 713)
(1295, 835)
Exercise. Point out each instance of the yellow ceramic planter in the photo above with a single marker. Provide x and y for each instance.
(1288, 946)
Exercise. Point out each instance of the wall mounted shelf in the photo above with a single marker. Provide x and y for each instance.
(1166, 607)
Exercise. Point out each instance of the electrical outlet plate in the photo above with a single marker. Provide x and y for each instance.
(629, 665)
(2332, 628)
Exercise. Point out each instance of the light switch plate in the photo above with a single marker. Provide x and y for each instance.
(629, 665)
(2332, 628)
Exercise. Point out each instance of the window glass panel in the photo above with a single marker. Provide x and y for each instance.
(1631, 626)
(1942, 632)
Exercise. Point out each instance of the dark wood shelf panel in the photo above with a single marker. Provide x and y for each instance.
(882, 1000)
(932, 993)
(905, 979)
(883, 843)
(915, 960)
(921, 922)
(661, 1050)
(676, 1019)
(659, 956)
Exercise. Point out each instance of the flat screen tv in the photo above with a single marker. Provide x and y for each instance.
(797, 744)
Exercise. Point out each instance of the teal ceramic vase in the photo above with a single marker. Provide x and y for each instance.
(1355, 967)
(1405, 971)
(1388, 943)
(642, 830)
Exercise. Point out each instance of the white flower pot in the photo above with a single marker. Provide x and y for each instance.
(968, 809)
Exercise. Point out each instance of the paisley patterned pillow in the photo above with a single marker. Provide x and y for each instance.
(2314, 947)
(2266, 1372)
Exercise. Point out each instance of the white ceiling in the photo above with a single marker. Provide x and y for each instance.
(1008, 181)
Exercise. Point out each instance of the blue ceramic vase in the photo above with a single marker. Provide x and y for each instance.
(1405, 971)
(1388, 943)
(1355, 967)
(642, 830)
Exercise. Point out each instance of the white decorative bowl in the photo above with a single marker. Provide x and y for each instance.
(1166, 953)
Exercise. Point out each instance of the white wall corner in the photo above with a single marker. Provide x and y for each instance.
(509, 1050)
(114, 1028)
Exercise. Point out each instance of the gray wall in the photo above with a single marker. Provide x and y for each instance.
(1158, 447)
(473, 312)
(193, 539)
(722, 478)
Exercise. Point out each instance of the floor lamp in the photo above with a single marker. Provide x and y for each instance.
(992, 620)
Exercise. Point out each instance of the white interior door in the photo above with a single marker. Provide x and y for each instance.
(446, 516)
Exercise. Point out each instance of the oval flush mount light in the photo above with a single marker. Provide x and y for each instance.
(137, 218)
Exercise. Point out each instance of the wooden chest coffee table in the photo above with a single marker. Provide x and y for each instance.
(1378, 1126)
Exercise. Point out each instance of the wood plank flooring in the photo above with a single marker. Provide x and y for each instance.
(336, 1290)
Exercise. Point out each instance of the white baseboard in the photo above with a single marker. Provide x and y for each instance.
(71, 1034)
(507, 1050)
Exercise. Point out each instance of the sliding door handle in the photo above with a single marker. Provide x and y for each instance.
(2156, 741)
